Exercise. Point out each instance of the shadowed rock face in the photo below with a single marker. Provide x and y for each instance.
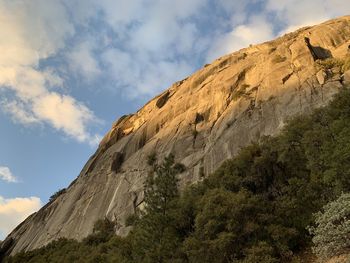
(203, 120)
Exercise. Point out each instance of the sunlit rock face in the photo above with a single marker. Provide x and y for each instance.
(204, 120)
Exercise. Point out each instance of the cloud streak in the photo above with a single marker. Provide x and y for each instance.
(6, 175)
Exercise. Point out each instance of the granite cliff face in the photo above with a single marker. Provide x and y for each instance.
(203, 120)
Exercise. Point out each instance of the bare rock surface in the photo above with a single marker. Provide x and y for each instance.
(204, 120)
(346, 77)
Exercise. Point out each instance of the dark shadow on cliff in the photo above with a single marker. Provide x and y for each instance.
(317, 52)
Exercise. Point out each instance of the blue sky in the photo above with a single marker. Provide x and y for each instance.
(69, 68)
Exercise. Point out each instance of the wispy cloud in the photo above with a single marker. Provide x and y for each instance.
(293, 14)
(31, 33)
(14, 210)
(82, 60)
(256, 30)
(270, 19)
(152, 45)
(135, 48)
(6, 175)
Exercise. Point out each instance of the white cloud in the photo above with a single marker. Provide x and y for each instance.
(82, 60)
(32, 31)
(162, 30)
(150, 34)
(146, 77)
(6, 175)
(154, 44)
(64, 113)
(14, 210)
(256, 31)
(137, 47)
(294, 14)
(18, 112)
(236, 9)
(154, 35)
(274, 18)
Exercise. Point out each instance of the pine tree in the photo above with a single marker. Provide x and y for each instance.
(155, 235)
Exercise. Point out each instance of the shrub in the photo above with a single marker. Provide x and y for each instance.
(57, 194)
(151, 158)
(103, 231)
(330, 63)
(131, 220)
(332, 230)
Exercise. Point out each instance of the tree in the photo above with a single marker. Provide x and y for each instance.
(155, 236)
(332, 230)
(57, 194)
(161, 186)
(103, 230)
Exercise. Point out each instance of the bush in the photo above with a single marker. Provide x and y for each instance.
(57, 194)
(330, 63)
(332, 230)
(103, 231)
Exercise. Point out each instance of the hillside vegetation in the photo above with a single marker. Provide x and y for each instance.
(257, 207)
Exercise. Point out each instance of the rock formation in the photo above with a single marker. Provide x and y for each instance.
(203, 120)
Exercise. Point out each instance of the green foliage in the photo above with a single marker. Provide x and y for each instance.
(131, 219)
(330, 63)
(332, 230)
(57, 194)
(103, 231)
(113, 249)
(155, 236)
(254, 208)
(221, 232)
(161, 186)
(151, 159)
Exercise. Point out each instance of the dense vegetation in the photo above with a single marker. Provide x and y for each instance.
(255, 208)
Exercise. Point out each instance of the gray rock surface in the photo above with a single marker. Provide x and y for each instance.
(346, 78)
(203, 120)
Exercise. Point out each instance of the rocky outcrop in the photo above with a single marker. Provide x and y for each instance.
(203, 120)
